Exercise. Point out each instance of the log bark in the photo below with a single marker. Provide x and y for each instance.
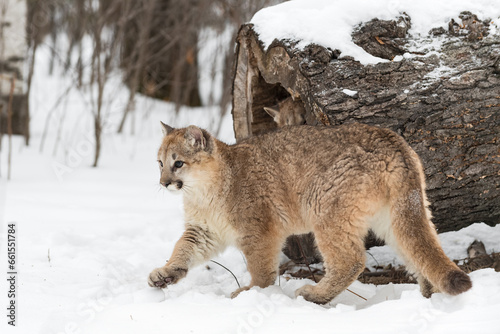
(445, 102)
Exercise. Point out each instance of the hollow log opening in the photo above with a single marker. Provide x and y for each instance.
(265, 95)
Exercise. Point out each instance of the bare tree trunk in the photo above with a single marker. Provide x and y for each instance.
(38, 19)
(108, 50)
(100, 92)
(142, 50)
(13, 51)
(97, 136)
(31, 69)
(128, 109)
(9, 126)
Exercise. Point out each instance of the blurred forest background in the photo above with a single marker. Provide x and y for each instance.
(156, 46)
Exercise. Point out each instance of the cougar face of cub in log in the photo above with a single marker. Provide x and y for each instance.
(334, 181)
(289, 112)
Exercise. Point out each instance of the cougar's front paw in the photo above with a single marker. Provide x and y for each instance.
(161, 277)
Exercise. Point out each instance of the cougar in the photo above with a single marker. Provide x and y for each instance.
(288, 112)
(334, 181)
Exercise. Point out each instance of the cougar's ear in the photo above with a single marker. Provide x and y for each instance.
(272, 112)
(166, 129)
(195, 137)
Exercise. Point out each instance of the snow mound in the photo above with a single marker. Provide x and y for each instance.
(330, 22)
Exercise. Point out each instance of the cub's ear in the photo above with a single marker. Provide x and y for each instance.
(272, 112)
(166, 129)
(195, 137)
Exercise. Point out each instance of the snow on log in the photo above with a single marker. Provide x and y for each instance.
(436, 82)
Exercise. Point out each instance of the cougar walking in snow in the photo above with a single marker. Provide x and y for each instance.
(337, 182)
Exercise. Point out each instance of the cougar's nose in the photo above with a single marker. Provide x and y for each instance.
(166, 184)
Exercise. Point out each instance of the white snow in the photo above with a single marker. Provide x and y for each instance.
(349, 92)
(330, 22)
(89, 237)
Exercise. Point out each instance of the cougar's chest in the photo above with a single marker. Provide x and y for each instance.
(211, 213)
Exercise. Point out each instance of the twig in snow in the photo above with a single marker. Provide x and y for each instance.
(373, 257)
(227, 270)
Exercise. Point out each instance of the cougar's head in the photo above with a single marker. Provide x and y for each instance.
(289, 112)
(184, 157)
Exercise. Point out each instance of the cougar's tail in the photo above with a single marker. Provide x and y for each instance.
(414, 235)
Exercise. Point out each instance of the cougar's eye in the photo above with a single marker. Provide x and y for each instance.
(161, 163)
(178, 164)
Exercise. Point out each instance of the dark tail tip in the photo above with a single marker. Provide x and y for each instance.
(457, 282)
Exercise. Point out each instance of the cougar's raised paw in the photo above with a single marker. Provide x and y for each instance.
(161, 277)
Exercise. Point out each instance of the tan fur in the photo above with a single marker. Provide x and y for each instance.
(289, 112)
(335, 181)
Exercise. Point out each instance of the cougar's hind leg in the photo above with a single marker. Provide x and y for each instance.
(341, 243)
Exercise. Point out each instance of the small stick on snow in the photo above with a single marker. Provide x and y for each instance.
(354, 293)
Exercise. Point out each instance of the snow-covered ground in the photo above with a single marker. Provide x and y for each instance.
(88, 238)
